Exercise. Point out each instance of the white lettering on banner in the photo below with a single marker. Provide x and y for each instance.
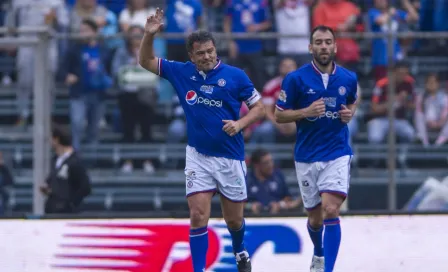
(369, 244)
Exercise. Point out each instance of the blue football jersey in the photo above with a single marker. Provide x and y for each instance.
(207, 99)
(322, 138)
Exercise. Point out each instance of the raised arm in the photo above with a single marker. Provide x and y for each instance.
(147, 58)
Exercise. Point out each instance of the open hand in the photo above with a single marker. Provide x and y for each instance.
(154, 23)
(231, 127)
(345, 114)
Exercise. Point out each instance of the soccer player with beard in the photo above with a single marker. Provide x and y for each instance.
(211, 94)
(320, 98)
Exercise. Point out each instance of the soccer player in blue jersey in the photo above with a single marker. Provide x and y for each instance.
(320, 97)
(211, 94)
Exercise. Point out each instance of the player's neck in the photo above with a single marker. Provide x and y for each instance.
(92, 43)
(208, 71)
(325, 69)
(61, 150)
(259, 176)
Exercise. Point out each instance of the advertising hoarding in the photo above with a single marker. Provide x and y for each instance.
(369, 244)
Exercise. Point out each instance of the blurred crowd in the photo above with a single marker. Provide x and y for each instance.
(90, 67)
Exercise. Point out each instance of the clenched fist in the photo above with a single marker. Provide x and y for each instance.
(345, 114)
(231, 127)
(316, 109)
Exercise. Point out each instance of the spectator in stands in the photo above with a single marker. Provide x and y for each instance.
(7, 53)
(88, 81)
(135, 14)
(215, 13)
(68, 182)
(105, 19)
(114, 5)
(182, 17)
(31, 13)
(404, 105)
(266, 186)
(268, 129)
(292, 17)
(353, 125)
(177, 130)
(138, 97)
(379, 22)
(341, 16)
(6, 182)
(248, 16)
(432, 112)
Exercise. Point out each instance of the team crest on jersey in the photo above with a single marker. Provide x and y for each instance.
(330, 101)
(221, 82)
(282, 96)
(342, 90)
(207, 89)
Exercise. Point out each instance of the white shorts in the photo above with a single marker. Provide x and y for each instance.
(213, 174)
(323, 177)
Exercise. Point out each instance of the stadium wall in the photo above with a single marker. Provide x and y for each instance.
(369, 244)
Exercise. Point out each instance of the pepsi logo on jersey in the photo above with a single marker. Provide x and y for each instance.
(328, 114)
(193, 98)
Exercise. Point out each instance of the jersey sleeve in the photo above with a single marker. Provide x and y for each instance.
(229, 8)
(402, 15)
(373, 15)
(247, 93)
(353, 92)
(265, 13)
(198, 11)
(288, 94)
(169, 69)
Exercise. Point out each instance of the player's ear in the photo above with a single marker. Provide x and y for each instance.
(335, 47)
(310, 48)
(190, 56)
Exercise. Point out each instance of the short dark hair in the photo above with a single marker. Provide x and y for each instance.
(322, 28)
(432, 75)
(200, 36)
(258, 154)
(401, 64)
(62, 135)
(91, 23)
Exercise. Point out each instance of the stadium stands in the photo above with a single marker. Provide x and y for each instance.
(115, 191)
